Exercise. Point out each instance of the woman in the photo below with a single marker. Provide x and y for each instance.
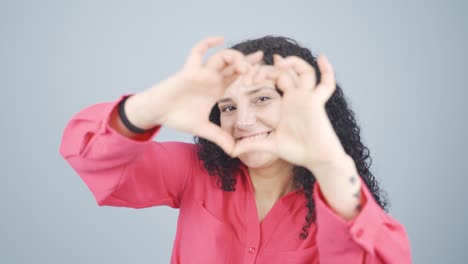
(278, 174)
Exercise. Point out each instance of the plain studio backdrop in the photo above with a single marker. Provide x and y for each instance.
(402, 64)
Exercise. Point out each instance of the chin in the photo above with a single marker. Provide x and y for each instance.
(258, 159)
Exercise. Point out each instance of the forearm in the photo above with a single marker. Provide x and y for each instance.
(340, 185)
(372, 236)
(145, 110)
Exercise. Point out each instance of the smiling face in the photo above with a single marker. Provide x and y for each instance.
(248, 112)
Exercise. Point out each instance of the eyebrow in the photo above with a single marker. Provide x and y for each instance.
(248, 93)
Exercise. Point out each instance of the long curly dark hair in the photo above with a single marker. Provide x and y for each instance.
(219, 164)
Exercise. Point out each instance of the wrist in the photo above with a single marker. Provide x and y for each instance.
(137, 112)
(340, 186)
(150, 108)
(341, 165)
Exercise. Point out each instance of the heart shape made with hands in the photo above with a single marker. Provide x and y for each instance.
(304, 134)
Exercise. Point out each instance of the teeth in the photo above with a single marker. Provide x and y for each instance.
(256, 136)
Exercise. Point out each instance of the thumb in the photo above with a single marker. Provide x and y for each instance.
(215, 134)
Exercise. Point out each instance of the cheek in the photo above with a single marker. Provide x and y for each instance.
(271, 114)
(226, 123)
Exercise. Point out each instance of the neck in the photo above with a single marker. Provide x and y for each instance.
(272, 182)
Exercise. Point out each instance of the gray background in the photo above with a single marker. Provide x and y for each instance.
(401, 64)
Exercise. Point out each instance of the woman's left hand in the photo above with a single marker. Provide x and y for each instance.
(305, 135)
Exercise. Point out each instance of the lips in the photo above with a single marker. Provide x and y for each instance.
(254, 136)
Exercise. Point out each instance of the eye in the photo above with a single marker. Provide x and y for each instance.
(262, 99)
(227, 108)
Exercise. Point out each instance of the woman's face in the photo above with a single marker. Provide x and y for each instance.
(248, 112)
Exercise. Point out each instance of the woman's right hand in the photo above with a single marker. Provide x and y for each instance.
(184, 100)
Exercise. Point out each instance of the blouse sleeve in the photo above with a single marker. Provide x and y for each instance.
(121, 171)
(371, 237)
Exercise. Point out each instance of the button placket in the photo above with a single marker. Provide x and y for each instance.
(253, 234)
(252, 223)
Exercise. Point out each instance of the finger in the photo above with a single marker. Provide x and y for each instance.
(226, 58)
(279, 61)
(326, 69)
(294, 77)
(303, 69)
(250, 76)
(286, 83)
(230, 74)
(232, 69)
(229, 70)
(252, 59)
(265, 73)
(281, 77)
(198, 51)
(217, 135)
(327, 84)
(266, 144)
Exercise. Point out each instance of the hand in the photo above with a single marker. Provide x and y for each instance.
(304, 135)
(184, 101)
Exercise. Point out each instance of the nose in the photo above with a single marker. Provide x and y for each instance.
(245, 118)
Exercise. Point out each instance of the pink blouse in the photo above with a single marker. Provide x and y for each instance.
(216, 226)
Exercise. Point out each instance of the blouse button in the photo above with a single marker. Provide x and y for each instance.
(251, 250)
